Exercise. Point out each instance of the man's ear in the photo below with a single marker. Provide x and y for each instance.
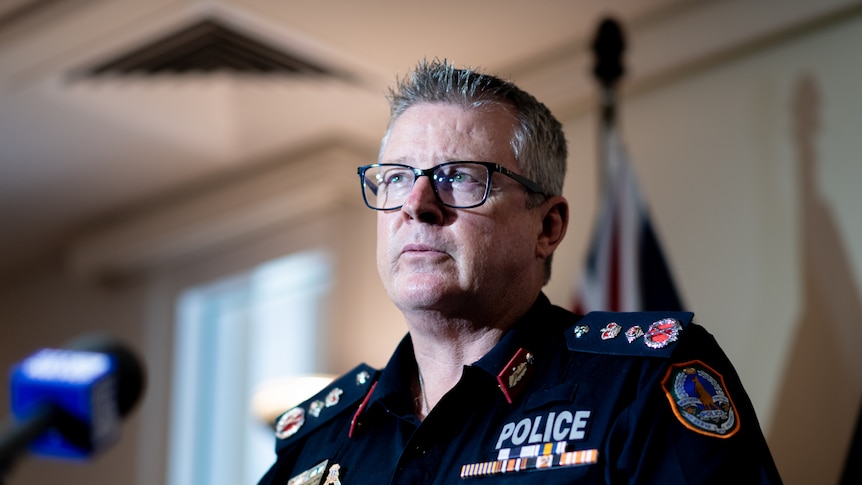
(555, 221)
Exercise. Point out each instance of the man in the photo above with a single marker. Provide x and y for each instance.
(493, 384)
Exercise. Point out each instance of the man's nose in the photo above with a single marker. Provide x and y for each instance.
(422, 203)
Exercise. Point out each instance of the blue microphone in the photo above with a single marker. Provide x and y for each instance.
(69, 402)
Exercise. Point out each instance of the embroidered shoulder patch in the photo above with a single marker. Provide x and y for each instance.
(699, 399)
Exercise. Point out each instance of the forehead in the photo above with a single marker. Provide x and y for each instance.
(427, 134)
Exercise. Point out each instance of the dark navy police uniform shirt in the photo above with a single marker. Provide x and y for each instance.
(606, 398)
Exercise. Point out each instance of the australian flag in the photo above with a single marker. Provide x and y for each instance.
(625, 269)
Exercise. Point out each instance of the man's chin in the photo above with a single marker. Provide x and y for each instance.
(425, 297)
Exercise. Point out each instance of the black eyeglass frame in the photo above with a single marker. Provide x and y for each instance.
(428, 172)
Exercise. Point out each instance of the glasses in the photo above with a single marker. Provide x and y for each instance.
(459, 185)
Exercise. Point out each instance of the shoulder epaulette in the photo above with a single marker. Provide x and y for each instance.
(335, 398)
(647, 334)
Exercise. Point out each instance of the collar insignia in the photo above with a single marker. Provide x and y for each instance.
(514, 377)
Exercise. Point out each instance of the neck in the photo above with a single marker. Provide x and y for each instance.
(441, 363)
(442, 347)
(448, 338)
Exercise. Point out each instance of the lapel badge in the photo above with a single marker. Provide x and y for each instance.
(362, 377)
(289, 423)
(611, 331)
(662, 333)
(634, 333)
(333, 397)
(332, 475)
(581, 330)
(315, 407)
(516, 374)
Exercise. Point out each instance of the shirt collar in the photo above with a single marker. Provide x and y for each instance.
(518, 346)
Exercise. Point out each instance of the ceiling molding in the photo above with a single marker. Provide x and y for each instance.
(14, 12)
(219, 216)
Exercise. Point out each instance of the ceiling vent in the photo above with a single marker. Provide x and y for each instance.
(206, 46)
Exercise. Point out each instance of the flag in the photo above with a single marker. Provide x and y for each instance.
(625, 268)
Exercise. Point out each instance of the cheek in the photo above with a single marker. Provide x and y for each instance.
(385, 227)
(511, 243)
(494, 246)
(382, 243)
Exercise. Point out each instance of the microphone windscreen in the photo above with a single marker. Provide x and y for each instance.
(85, 388)
(131, 380)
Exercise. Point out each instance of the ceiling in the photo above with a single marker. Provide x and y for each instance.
(77, 149)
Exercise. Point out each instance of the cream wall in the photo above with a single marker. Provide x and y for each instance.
(768, 256)
(769, 259)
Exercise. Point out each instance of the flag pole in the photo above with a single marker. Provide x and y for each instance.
(625, 268)
(608, 47)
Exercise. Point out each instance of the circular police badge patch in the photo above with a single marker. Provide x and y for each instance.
(699, 399)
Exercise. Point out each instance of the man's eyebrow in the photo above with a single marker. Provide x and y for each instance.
(402, 160)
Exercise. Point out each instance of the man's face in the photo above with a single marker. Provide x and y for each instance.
(432, 257)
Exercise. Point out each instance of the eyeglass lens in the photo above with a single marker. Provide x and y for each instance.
(458, 185)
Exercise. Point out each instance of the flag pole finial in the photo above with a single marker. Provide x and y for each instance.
(608, 47)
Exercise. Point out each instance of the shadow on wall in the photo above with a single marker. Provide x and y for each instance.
(820, 396)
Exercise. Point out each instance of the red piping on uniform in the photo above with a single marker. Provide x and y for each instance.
(354, 421)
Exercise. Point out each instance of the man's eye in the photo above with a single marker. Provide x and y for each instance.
(394, 177)
(454, 177)
(464, 178)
